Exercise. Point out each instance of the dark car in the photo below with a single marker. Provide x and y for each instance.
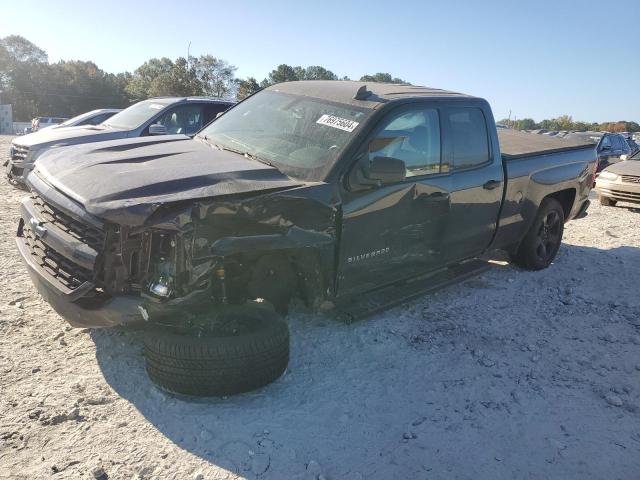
(632, 145)
(612, 148)
(156, 116)
(343, 194)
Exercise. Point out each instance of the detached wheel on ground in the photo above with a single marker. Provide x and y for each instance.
(606, 201)
(242, 348)
(542, 242)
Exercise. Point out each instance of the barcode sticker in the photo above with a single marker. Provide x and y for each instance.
(338, 122)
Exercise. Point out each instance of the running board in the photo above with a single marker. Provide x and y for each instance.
(383, 298)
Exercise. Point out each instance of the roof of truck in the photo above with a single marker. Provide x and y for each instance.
(343, 91)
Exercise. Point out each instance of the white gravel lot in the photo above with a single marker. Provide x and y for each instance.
(511, 375)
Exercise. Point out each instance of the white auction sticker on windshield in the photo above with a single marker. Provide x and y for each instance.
(338, 122)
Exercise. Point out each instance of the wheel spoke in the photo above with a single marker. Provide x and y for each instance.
(542, 250)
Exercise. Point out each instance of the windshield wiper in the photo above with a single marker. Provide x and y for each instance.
(252, 156)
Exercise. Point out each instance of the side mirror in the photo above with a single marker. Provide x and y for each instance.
(384, 170)
(157, 129)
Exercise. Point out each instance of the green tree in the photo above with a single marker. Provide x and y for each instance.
(20, 49)
(216, 76)
(141, 84)
(382, 78)
(283, 73)
(316, 72)
(247, 87)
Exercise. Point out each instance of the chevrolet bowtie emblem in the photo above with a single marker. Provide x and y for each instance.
(37, 227)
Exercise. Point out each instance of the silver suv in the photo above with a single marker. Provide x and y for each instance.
(156, 116)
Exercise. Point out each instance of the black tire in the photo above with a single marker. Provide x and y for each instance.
(248, 349)
(606, 201)
(542, 242)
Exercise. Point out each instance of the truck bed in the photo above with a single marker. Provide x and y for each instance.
(516, 144)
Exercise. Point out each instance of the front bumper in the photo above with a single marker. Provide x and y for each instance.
(18, 172)
(76, 309)
(618, 190)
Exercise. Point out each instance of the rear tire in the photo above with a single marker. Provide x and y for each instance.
(248, 349)
(540, 245)
(606, 201)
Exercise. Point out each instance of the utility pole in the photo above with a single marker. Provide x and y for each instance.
(188, 55)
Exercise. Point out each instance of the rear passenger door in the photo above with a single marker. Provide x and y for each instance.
(476, 183)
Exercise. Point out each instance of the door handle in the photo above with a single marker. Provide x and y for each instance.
(491, 184)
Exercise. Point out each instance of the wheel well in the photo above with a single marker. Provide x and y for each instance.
(566, 199)
(278, 276)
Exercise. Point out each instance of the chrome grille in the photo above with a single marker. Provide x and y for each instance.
(621, 195)
(87, 234)
(630, 178)
(19, 153)
(66, 272)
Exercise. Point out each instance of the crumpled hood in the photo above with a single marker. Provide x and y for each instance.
(49, 137)
(628, 167)
(125, 181)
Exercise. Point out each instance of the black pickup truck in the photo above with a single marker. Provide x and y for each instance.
(328, 191)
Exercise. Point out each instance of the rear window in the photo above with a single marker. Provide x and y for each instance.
(469, 139)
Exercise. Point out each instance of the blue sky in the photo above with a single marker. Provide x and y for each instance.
(538, 59)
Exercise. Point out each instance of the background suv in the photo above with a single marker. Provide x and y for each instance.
(156, 116)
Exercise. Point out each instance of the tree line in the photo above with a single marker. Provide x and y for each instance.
(566, 122)
(36, 87)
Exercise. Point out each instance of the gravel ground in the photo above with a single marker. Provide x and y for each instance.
(510, 375)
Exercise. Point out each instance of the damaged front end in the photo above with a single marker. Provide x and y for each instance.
(269, 247)
(184, 259)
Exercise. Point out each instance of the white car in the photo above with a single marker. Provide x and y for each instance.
(39, 123)
(94, 117)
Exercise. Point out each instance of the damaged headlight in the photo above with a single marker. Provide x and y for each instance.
(162, 265)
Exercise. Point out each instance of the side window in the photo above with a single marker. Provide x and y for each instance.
(98, 119)
(468, 136)
(615, 142)
(95, 120)
(210, 111)
(185, 120)
(413, 137)
(623, 144)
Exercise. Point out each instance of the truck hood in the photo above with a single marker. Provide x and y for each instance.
(62, 136)
(126, 181)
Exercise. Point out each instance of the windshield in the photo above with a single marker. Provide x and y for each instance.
(75, 119)
(136, 114)
(301, 136)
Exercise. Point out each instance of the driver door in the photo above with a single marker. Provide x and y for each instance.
(393, 231)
